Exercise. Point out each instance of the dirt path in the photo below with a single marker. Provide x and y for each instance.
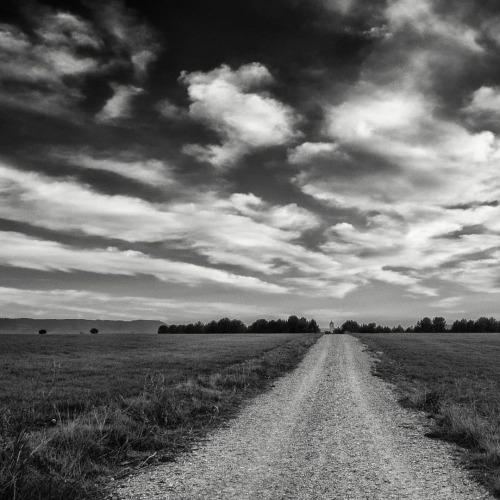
(328, 430)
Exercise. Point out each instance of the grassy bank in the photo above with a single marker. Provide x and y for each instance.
(456, 379)
(76, 410)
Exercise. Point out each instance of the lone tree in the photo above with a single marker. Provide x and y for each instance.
(42, 332)
(94, 330)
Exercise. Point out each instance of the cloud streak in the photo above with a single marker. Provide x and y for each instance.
(64, 303)
(128, 165)
(32, 253)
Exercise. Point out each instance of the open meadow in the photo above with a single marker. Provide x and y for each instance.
(76, 408)
(455, 377)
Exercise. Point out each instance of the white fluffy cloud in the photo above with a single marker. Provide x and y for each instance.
(400, 162)
(290, 216)
(418, 155)
(373, 112)
(236, 105)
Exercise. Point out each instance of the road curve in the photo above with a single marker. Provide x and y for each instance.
(328, 430)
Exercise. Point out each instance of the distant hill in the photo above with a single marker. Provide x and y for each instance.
(29, 325)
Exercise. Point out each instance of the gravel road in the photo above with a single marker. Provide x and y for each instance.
(328, 430)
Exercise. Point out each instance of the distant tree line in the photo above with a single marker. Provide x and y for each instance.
(428, 325)
(225, 325)
(353, 326)
(291, 325)
(479, 325)
(437, 325)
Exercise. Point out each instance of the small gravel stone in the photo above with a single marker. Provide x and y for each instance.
(327, 430)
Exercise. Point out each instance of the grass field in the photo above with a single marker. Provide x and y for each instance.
(455, 378)
(77, 408)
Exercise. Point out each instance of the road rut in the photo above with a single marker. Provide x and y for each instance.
(327, 430)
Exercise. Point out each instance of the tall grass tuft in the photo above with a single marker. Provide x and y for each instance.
(52, 452)
(455, 379)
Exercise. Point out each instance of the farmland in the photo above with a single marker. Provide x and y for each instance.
(78, 407)
(455, 377)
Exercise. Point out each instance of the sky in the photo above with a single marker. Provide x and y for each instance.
(189, 160)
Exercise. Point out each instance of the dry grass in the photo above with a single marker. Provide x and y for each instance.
(58, 445)
(455, 378)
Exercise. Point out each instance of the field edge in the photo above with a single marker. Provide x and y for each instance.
(477, 440)
(82, 458)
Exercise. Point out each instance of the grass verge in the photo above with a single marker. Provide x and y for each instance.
(53, 451)
(455, 378)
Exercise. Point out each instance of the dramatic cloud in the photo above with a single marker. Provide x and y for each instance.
(236, 106)
(64, 205)
(355, 149)
(397, 159)
(32, 253)
(241, 231)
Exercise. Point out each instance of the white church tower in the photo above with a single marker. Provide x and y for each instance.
(332, 326)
